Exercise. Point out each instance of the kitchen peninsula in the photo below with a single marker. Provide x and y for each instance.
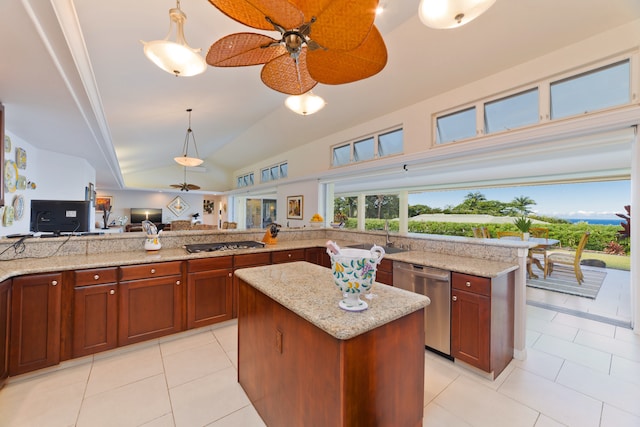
(302, 360)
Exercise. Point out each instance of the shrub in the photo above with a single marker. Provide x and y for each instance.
(614, 248)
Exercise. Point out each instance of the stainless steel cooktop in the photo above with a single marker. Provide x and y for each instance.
(223, 246)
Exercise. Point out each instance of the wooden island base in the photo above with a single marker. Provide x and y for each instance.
(296, 374)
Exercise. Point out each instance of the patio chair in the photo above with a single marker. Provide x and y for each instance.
(543, 233)
(568, 259)
(481, 233)
(502, 234)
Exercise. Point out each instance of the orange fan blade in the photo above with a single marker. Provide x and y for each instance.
(335, 67)
(281, 74)
(253, 12)
(241, 49)
(339, 24)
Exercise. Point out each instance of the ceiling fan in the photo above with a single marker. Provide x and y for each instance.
(321, 41)
(185, 186)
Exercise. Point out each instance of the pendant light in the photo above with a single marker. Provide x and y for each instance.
(185, 160)
(442, 14)
(175, 57)
(305, 104)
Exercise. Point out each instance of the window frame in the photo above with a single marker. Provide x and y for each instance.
(374, 138)
(544, 98)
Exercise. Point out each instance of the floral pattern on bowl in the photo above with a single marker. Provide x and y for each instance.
(354, 271)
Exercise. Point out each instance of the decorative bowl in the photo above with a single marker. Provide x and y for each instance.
(354, 271)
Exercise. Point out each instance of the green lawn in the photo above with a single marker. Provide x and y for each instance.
(617, 262)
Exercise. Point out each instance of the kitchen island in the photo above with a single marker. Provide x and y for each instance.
(302, 360)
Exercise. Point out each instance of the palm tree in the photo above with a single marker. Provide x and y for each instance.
(473, 199)
(522, 204)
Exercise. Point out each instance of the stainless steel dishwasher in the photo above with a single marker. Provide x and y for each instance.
(436, 284)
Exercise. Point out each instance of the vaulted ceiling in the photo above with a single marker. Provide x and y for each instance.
(73, 79)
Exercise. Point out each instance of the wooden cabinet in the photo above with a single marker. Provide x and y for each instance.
(317, 256)
(244, 261)
(251, 260)
(296, 374)
(482, 317)
(384, 272)
(209, 291)
(150, 301)
(95, 310)
(5, 312)
(278, 257)
(35, 322)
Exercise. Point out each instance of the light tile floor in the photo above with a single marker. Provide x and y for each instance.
(578, 372)
(613, 302)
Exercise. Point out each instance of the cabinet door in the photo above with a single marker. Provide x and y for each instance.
(149, 308)
(209, 297)
(317, 256)
(5, 300)
(35, 322)
(471, 328)
(95, 319)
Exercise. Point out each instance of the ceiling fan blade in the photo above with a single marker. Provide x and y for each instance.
(241, 49)
(334, 67)
(193, 187)
(281, 74)
(253, 12)
(176, 185)
(339, 24)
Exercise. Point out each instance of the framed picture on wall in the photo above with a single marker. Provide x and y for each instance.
(104, 203)
(178, 206)
(294, 207)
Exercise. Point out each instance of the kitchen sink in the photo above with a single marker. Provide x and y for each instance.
(387, 249)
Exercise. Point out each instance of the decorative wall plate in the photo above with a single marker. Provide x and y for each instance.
(7, 144)
(21, 158)
(10, 176)
(7, 218)
(21, 182)
(178, 206)
(18, 207)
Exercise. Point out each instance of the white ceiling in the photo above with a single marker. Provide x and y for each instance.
(74, 80)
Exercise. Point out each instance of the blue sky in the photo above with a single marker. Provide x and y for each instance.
(587, 200)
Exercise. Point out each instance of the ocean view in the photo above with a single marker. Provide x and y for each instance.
(595, 221)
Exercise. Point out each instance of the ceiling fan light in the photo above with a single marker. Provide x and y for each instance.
(305, 104)
(188, 161)
(442, 14)
(175, 57)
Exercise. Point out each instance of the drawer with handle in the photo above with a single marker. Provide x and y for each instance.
(146, 271)
(96, 276)
(469, 283)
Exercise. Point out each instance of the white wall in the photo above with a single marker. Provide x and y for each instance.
(124, 200)
(57, 176)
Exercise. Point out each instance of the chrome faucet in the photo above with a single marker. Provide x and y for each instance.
(386, 229)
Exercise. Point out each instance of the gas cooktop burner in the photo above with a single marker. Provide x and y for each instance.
(222, 246)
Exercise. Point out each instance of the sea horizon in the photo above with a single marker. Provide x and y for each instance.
(595, 221)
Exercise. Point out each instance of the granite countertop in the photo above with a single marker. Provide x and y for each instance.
(20, 266)
(474, 266)
(309, 291)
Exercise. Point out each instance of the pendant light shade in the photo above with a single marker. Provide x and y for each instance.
(442, 14)
(305, 104)
(175, 57)
(185, 160)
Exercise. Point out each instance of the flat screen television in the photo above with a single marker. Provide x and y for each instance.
(140, 214)
(60, 216)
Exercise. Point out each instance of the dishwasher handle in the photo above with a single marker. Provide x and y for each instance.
(441, 277)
